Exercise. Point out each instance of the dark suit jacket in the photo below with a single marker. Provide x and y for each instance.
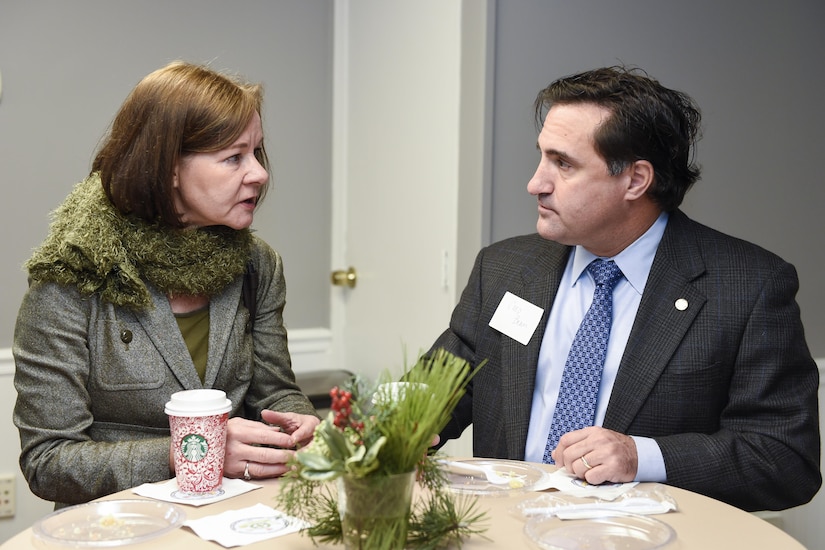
(727, 387)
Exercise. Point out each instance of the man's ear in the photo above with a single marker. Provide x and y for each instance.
(641, 178)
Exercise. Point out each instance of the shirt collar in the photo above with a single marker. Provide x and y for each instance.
(635, 261)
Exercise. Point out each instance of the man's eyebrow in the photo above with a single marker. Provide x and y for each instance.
(553, 152)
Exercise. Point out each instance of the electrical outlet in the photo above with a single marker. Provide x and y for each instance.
(7, 494)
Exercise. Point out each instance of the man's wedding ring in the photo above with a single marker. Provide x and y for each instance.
(247, 477)
(584, 461)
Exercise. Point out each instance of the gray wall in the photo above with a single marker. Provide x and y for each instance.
(755, 67)
(67, 66)
(757, 70)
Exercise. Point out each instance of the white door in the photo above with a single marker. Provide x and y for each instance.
(395, 192)
(399, 159)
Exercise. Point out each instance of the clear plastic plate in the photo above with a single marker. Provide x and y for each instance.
(524, 477)
(108, 523)
(625, 531)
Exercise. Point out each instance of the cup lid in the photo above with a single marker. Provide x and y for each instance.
(198, 403)
(394, 391)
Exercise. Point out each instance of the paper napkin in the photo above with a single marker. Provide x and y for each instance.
(571, 485)
(637, 505)
(648, 500)
(168, 491)
(245, 526)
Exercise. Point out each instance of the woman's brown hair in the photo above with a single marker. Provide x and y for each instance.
(179, 109)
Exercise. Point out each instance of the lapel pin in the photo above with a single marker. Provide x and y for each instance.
(681, 304)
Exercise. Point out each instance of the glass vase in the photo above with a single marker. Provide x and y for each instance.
(375, 510)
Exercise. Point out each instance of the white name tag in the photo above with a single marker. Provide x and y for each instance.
(516, 317)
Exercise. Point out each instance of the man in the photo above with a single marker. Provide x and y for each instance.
(704, 379)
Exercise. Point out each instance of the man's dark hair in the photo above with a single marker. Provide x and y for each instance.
(647, 122)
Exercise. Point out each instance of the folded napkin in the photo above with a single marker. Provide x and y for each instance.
(168, 492)
(569, 484)
(637, 505)
(648, 500)
(245, 526)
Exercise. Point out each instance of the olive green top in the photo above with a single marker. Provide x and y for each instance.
(194, 326)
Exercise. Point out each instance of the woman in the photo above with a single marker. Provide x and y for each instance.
(151, 282)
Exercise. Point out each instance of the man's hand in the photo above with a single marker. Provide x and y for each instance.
(608, 455)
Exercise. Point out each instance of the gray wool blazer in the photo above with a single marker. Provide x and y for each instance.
(727, 387)
(90, 405)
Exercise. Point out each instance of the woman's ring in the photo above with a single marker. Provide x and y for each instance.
(246, 475)
(586, 464)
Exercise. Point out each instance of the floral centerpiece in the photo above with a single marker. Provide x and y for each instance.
(354, 482)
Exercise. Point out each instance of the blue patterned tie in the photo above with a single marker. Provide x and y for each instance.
(576, 405)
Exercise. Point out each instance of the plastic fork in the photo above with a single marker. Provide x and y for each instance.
(489, 472)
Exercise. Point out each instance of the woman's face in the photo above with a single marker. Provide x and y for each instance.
(222, 187)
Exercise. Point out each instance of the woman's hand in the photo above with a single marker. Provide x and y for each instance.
(257, 450)
(300, 426)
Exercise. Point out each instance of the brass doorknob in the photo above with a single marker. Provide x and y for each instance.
(345, 278)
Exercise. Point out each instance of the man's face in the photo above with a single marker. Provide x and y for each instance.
(579, 202)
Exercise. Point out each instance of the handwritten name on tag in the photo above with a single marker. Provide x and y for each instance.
(516, 317)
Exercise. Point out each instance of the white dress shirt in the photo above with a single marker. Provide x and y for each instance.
(572, 302)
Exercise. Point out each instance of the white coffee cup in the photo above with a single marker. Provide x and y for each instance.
(198, 403)
(392, 392)
(197, 422)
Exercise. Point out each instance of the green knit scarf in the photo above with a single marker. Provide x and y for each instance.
(93, 247)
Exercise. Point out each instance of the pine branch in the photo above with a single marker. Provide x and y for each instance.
(444, 520)
(373, 434)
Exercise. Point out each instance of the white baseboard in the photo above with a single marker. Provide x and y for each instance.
(6, 362)
(310, 350)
